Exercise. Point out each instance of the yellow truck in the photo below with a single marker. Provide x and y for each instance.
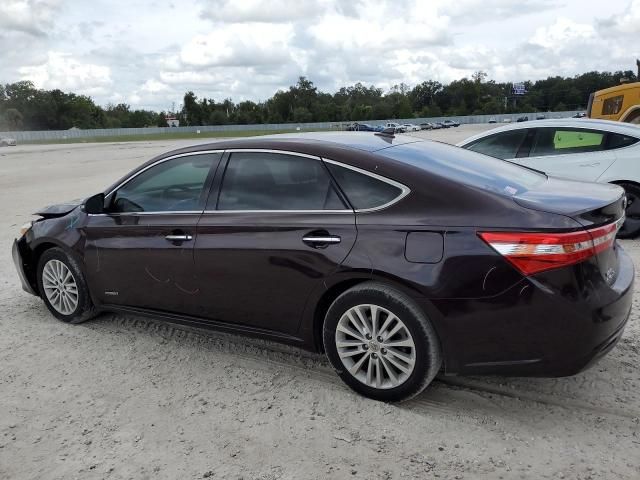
(621, 103)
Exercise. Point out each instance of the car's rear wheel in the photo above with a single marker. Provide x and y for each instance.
(631, 226)
(63, 287)
(381, 343)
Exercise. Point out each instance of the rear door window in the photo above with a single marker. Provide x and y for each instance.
(274, 181)
(561, 141)
(501, 145)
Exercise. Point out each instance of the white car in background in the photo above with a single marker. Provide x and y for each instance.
(7, 142)
(581, 149)
(410, 127)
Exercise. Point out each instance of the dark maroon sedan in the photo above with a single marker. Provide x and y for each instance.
(399, 258)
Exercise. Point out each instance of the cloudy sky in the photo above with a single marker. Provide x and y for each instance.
(148, 53)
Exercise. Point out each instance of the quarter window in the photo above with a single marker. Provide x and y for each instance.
(274, 181)
(501, 145)
(364, 191)
(617, 140)
(174, 185)
(560, 141)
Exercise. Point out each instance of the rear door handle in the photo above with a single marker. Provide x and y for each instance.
(595, 164)
(178, 238)
(318, 241)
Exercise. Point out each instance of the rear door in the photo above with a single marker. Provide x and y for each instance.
(569, 152)
(275, 227)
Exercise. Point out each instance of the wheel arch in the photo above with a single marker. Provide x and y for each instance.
(621, 182)
(337, 289)
(36, 250)
(323, 304)
(632, 114)
(32, 264)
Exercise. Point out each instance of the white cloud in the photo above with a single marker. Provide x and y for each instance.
(237, 44)
(154, 86)
(66, 73)
(33, 17)
(562, 31)
(248, 49)
(269, 11)
(628, 22)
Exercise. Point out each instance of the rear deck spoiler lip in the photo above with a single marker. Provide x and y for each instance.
(589, 204)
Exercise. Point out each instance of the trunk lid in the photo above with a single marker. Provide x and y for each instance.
(592, 205)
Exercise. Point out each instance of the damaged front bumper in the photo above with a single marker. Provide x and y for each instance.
(18, 254)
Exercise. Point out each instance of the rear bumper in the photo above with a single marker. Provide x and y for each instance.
(17, 252)
(553, 325)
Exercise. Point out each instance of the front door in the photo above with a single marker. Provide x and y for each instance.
(140, 252)
(273, 230)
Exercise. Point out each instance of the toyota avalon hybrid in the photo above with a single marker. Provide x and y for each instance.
(398, 258)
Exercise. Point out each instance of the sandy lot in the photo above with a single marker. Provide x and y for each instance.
(126, 397)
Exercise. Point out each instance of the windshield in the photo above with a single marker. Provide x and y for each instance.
(466, 167)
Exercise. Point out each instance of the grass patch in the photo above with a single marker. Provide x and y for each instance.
(163, 136)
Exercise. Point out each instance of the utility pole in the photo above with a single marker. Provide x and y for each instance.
(638, 65)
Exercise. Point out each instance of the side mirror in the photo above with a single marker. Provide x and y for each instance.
(94, 204)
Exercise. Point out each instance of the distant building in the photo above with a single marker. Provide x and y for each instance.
(173, 122)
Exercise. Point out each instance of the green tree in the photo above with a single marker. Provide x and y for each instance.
(13, 118)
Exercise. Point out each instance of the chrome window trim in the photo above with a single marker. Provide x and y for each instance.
(278, 211)
(168, 212)
(271, 150)
(158, 162)
(284, 152)
(404, 190)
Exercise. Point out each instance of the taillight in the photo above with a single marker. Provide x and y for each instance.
(536, 252)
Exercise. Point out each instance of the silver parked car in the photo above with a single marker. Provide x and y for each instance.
(7, 142)
(580, 149)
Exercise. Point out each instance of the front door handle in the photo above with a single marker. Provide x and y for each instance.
(595, 164)
(320, 240)
(178, 238)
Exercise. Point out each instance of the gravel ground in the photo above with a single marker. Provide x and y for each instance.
(126, 397)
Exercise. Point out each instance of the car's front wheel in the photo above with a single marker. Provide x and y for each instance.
(381, 343)
(63, 288)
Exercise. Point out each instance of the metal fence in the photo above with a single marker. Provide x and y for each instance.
(43, 135)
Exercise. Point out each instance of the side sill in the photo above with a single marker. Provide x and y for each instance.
(206, 323)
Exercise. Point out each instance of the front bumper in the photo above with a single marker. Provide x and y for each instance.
(19, 246)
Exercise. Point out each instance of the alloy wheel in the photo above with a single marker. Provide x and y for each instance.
(375, 346)
(60, 287)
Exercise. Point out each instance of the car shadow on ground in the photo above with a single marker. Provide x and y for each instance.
(479, 397)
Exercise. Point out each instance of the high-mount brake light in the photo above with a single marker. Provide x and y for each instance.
(536, 252)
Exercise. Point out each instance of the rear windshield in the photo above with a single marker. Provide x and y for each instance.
(466, 167)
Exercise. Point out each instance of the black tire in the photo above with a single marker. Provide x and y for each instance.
(85, 309)
(428, 356)
(631, 227)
